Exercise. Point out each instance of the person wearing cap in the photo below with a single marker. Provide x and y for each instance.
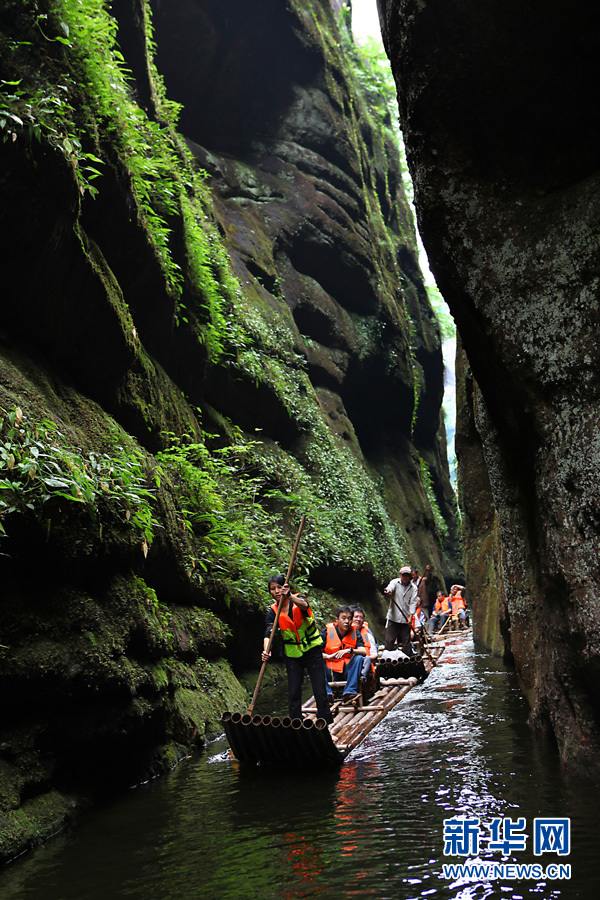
(403, 604)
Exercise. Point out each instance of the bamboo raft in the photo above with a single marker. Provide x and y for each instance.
(445, 633)
(274, 740)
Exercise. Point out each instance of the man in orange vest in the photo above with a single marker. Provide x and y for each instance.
(344, 652)
(459, 606)
(441, 611)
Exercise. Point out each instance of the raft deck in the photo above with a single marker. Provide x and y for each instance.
(274, 740)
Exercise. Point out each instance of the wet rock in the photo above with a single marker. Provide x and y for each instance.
(122, 637)
(507, 201)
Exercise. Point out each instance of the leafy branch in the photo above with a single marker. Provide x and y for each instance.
(37, 466)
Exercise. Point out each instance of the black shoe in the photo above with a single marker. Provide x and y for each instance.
(347, 699)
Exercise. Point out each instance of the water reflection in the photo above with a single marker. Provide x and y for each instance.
(458, 745)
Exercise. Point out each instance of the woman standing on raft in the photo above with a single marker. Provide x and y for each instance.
(302, 647)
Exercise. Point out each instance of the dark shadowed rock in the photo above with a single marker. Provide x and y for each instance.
(497, 105)
(271, 301)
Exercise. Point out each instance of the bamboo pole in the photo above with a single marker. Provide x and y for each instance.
(291, 565)
(310, 709)
(345, 721)
(352, 729)
(335, 728)
(354, 736)
(392, 697)
(361, 709)
(437, 633)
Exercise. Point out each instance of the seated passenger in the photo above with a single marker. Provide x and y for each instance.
(441, 611)
(344, 653)
(418, 622)
(459, 607)
(359, 622)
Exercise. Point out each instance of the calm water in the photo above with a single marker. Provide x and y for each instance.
(458, 745)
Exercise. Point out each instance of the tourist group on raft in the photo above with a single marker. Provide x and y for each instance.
(345, 650)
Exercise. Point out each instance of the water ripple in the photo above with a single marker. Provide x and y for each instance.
(458, 745)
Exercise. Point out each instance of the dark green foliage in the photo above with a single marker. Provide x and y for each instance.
(374, 75)
(235, 539)
(37, 466)
(70, 87)
(440, 523)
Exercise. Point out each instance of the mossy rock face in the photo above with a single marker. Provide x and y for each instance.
(482, 541)
(34, 822)
(211, 358)
(343, 289)
(197, 713)
(508, 209)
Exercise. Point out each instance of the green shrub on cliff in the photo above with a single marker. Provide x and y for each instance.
(374, 74)
(38, 466)
(442, 313)
(235, 541)
(426, 480)
(240, 505)
(83, 106)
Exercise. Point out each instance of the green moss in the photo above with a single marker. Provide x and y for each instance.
(161, 405)
(204, 630)
(442, 312)
(439, 521)
(111, 290)
(39, 469)
(83, 106)
(34, 822)
(198, 709)
(231, 534)
(160, 677)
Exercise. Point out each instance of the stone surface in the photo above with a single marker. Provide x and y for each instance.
(501, 134)
(121, 650)
(313, 210)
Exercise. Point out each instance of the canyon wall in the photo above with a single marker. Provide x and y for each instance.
(496, 105)
(213, 321)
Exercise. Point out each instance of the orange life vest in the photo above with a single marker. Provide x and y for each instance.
(287, 622)
(364, 631)
(299, 631)
(442, 605)
(458, 603)
(335, 643)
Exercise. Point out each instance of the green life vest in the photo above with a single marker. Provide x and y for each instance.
(299, 632)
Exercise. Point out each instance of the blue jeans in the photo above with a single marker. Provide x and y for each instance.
(350, 673)
(433, 622)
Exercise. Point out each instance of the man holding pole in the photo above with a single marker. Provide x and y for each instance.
(402, 593)
(302, 646)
